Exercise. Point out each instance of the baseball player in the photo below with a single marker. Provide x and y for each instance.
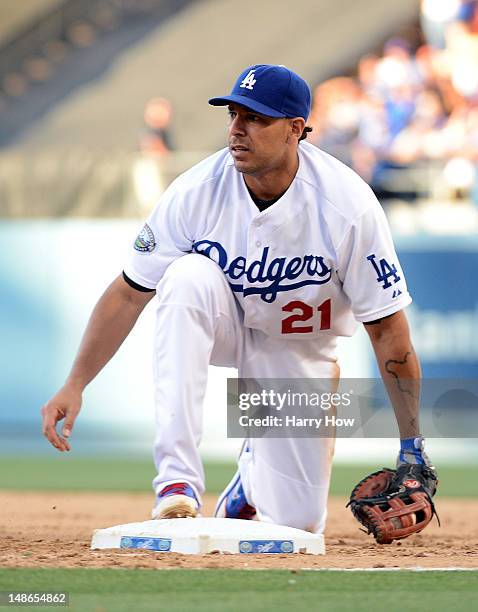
(260, 256)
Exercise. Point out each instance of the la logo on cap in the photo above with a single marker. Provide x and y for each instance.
(249, 80)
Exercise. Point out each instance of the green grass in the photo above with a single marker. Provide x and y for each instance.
(221, 590)
(67, 472)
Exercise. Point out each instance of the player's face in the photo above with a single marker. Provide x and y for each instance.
(259, 143)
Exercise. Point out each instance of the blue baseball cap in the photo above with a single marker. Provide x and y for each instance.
(274, 91)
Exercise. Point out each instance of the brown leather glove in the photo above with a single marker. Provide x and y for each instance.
(393, 504)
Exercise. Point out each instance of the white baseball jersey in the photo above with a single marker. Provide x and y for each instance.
(310, 266)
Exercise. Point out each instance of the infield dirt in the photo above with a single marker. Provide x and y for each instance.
(54, 530)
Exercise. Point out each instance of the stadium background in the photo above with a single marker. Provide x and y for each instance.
(103, 102)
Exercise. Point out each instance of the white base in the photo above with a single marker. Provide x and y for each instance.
(199, 536)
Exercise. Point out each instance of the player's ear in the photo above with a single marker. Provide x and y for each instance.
(297, 126)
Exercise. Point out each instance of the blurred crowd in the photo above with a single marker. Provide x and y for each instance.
(156, 138)
(413, 105)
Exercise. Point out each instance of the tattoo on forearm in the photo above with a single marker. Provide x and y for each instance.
(390, 362)
(389, 368)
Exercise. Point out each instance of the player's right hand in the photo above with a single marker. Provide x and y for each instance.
(66, 404)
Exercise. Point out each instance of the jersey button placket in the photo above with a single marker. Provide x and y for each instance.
(254, 253)
(255, 239)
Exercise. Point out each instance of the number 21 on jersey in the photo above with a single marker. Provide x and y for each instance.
(305, 312)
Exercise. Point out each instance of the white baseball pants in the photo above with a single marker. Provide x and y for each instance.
(199, 322)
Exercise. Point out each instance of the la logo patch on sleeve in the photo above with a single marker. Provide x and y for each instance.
(145, 241)
(385, 271)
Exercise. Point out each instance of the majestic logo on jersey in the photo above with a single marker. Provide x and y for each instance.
(249, 81)
(145, 242)
(274, 275)
(384, 271)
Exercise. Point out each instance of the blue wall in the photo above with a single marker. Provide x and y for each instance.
(52, 274)
(442, 275)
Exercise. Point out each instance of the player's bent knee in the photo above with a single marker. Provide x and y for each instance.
(190, 278)
(191, 269)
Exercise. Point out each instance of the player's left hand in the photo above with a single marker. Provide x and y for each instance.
(393, 504)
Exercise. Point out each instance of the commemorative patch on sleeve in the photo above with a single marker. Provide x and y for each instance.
(145, 241)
